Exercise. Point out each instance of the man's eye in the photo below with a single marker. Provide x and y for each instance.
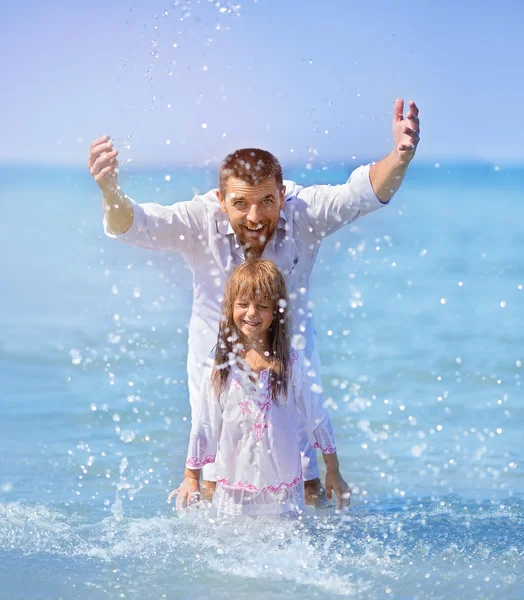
(268, 201)
(238, 204)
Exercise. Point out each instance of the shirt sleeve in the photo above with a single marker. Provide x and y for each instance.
(206, 427)
(330, 207)
(178, 228)
(316, 419)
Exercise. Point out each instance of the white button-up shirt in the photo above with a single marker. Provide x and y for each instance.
(201, 232)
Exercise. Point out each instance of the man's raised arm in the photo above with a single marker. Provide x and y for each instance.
(387, 174)
(103, 165)
(181, 227)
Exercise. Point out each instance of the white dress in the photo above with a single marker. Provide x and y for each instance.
(254, 441)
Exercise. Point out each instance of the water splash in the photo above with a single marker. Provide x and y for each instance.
(409, 548)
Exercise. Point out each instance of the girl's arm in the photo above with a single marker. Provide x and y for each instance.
(335, 482)
(320, 432)
(205, 433)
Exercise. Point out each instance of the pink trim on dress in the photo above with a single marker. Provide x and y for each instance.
(250, 487)
(250, 405)
(258, 431)
(264, 405)
(245, 407)
(235, 380)
(327, 450)
(194, 463)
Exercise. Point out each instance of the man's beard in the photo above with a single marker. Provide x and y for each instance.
(251, 252)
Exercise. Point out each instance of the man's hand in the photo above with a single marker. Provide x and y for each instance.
(406, 131)
(387, 174)
(335, 483)
(103, 164)
(187, 493)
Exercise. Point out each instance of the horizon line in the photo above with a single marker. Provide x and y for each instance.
(315, 165)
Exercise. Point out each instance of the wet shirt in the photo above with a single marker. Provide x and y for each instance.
(201, 232)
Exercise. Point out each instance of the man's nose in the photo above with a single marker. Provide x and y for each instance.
(253, 214)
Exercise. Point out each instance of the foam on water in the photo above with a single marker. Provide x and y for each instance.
(424, 549)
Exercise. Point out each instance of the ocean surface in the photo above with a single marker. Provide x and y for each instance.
(419, 310)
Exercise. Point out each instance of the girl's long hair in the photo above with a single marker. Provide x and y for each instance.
(254, 279)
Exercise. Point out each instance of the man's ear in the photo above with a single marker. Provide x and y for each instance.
(222, 200)
(282, 197)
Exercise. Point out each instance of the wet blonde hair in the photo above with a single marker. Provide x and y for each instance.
(254, 279)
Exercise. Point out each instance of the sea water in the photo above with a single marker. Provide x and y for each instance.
(418, 310)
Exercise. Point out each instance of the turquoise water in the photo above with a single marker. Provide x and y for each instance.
(419, 313)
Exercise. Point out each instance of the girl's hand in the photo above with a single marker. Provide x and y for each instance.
(335, 483)
(187, 493)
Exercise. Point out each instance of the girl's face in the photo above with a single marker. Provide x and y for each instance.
(253, 317)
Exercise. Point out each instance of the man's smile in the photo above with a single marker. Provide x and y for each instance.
(255, 232)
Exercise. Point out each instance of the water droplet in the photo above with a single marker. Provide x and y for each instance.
(116, 508)
(127, 436)
(416, 451)
(298, 342)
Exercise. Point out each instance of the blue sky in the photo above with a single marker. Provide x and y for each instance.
(306, 80)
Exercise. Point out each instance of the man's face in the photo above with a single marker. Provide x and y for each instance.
(253, 210)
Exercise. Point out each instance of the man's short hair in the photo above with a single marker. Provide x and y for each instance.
(251, 165)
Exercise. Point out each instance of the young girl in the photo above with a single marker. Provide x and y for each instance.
(250, 400)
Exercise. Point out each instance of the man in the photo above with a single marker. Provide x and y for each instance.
(253, 214)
